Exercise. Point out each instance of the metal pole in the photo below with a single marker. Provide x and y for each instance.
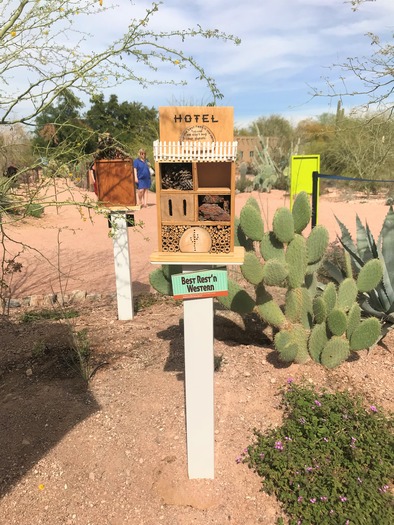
(315, 197)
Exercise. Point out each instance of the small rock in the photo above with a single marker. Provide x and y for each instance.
(29, 372)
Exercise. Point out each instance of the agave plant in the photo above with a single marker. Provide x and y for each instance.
(378, 302)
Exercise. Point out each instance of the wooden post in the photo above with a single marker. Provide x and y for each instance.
(124, 287)
(199, 386)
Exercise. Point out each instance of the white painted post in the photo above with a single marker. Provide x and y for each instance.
(124, 287)
(199, 387)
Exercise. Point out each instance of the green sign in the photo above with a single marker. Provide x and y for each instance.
(205, 283)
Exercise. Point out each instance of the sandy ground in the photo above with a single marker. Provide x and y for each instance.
(113, 451)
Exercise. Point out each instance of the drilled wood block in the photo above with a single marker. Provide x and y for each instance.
(177, 208)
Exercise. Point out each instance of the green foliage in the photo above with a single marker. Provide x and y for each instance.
(160, 279)
(237, 300)
(335, 352)
(330, 462)
(283, 225)
(281, 260)
(252, 222)
(54, 314)
(365, 334)
(33, 209)
(252, 269)
(302, 213)
(372, 263)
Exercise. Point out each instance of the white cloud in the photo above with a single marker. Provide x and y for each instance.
(287, 46)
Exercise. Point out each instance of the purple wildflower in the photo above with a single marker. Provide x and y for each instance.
(302, 420)
(343, 499)
(278, 445)
(373, 408)
(384, 488)
(290, 380)
(313, 500)
(323, 498)
(317, 403)
(238, 459)
(299, 499)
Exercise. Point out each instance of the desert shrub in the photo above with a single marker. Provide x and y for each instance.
(34, 209)
(54, 314)
(330, 462)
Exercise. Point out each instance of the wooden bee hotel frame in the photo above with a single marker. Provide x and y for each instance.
(195, 185)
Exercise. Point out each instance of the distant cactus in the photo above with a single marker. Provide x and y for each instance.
(325, 326)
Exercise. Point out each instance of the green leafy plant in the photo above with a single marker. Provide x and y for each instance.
(379, 301)
(54, 314)
(34, 209)
(330, 462)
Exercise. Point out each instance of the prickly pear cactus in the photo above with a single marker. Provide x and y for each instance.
(325, 326)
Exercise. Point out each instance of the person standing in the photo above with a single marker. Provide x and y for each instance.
(142, 178)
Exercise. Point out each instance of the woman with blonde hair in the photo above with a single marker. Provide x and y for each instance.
(142, 178)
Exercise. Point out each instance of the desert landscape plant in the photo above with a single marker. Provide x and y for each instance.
(323, 326)
(379, 301)
(330, 462)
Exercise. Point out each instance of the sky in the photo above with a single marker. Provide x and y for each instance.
(287, 50)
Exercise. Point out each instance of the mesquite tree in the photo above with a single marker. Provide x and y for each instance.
(41, 54)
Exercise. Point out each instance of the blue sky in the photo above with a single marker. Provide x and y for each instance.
(287, 49)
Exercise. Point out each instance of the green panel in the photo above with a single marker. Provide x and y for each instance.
(302, 167)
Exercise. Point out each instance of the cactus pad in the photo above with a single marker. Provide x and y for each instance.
(252, 269)
(274, 272)
(317, 243)
(335, 352)
(268, 309)
(370, 275)
(337, 321)
(240, 238)
(252, 223)
(296, 258)
(283, 225)
(353, 320)
(317, 341)
(159, 282)
(301, 212)
(237, 300)
(271, 247)
(366, 334)
(329, 296)
(319, 310)
(347, 293)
